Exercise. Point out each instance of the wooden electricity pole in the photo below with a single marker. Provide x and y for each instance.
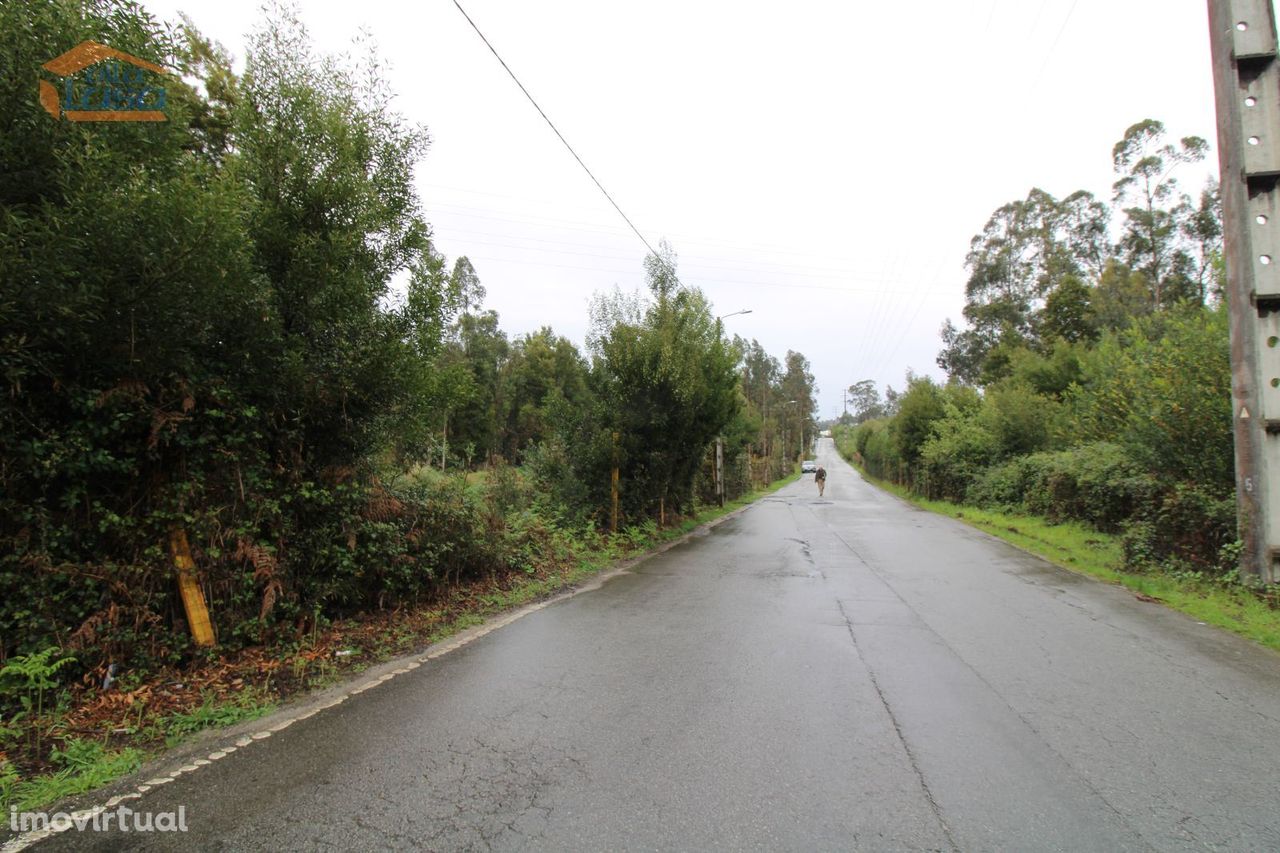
(719, 463)
(1246, 83)
(613, 488)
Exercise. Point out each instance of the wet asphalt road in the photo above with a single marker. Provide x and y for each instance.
(839, 674)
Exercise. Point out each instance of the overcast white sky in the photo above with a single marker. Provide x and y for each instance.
(823, 164)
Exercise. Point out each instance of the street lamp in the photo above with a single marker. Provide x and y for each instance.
(734, 313)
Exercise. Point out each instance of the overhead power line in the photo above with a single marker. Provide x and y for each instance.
(784, 285)
(557, 132)
(1054, 45)
(539, 244)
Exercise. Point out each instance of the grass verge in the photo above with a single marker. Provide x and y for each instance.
(83, 766)
(1080, 548)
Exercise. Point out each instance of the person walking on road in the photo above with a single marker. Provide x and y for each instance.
(820, 477)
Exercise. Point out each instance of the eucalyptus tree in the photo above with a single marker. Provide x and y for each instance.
(666, 384)
(336, 218)
(864, 399)
(1026, 251)
(760, 374)
(1154, 205)
(465, 288)
(800, 396)
(543, 371)
(1202, 236)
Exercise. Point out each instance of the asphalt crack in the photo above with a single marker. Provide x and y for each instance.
(897, 728)
(488, 793)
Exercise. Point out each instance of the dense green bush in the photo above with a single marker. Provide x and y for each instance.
(875, 445)
(1132, 434)
(1162, 389)
(1196, 524)
(1005, 486)
(1098, 483)
(922, 404)
(959, 451)
(1019, 419)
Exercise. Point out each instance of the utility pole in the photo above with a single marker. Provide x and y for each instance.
(1246, 84)
(613, 488)
(720, 470)
(719, 458)
(785, 442)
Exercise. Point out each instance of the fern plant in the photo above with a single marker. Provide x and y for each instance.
(26, 678)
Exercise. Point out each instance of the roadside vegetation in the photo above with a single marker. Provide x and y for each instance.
(1088, 395)
(234, 324)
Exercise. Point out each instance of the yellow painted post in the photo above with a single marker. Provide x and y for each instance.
(189, 587)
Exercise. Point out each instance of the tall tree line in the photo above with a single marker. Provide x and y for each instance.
(1045, 269)
(235, 323)
(658, 385)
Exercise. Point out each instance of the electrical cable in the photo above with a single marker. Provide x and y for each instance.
(736, 282)
(560, 135)
(879, 313)
(762, 268)
(1049, 53)
(887, 363)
